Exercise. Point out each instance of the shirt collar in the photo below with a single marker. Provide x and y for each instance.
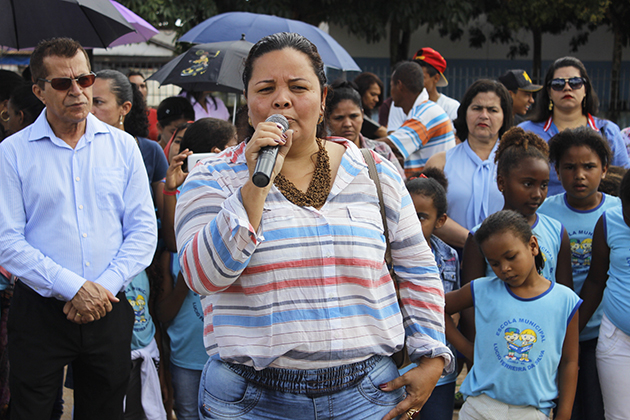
(41, 128)
(589, 118)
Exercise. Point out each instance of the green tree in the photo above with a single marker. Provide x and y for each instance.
(507, 17)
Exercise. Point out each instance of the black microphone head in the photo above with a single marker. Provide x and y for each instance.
(279, 119)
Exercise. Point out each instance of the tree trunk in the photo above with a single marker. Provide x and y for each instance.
(615, 105)
(394, 36)
(537, 60)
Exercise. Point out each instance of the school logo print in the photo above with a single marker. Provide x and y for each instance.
(518, 351)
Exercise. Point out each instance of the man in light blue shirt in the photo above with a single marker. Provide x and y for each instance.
(76, 225)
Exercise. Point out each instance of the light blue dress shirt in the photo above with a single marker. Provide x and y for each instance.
(70, 215)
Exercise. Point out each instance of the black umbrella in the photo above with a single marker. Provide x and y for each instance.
(93, 23)
(216, 66)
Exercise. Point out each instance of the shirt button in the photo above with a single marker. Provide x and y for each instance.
(81, 207)
(77, 179)
(87, 264)
(85, 235)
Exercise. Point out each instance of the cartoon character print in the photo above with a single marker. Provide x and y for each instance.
(581, 252)
(528, 338)
(511, 335)
(139, 308)
(200, 65)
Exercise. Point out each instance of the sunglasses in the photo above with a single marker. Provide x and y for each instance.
(64, 83)
(574, 83)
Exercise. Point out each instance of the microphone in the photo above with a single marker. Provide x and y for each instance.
(267, 156)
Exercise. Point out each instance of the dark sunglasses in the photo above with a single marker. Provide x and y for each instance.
(64, 83)
(574, 83)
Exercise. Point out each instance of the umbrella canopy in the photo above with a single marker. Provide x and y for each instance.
(93, 23)
(215, 66)
(230, 26)
(144, 30)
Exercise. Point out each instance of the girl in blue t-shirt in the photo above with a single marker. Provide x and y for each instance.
(608, 282)
(526, 346)
(522, 176)
(428, 192)
(581, 158)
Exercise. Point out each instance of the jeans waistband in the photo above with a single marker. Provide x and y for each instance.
(311, 382)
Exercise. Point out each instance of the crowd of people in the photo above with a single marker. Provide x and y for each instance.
(399, 241)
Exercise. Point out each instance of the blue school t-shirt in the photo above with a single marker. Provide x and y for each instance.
(549, 233)
(518, 344)
(186, 329)
(616, 301)
(580, 225)
(137, 293)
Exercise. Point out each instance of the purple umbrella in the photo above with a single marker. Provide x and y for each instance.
(144, 30)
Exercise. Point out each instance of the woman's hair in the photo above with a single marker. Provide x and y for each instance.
(207, 133)
(364, 81)
(280, 41)
(612, 181)
(341, 90)
(624, 189)
(174, 108)
(198, 96)
(8, 81)
(581, 136)
(23, 99)
(136, 121)
(483, 86)
(590, 105)
(431, 187)
(508, 220)
(517, 145)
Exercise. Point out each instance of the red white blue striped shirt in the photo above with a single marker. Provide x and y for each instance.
(310, 288)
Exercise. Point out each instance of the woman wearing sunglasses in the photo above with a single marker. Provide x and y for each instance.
(568, 100)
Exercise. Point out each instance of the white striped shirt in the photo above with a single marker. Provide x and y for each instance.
(310, 288)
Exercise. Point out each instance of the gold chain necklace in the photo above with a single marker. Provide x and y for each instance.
(318, 188)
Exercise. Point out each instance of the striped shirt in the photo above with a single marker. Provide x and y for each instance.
(309, 289)
(426, 131)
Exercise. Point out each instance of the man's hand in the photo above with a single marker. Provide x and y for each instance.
(91, 303)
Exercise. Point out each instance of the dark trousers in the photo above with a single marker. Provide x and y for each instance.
(589, 404)
(42, 341)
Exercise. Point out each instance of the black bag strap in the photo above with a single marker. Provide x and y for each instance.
(369, 159)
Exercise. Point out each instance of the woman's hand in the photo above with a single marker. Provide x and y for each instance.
(419, 381)
(268, 134)
(174, 174)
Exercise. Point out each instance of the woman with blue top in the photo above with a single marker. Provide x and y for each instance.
(568, 100)
(526, 347)
(608, 282)
(523, 173)
(483, 116)
(581, 159)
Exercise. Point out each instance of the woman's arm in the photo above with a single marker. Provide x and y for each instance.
(564, 272)
(568, 370)
(457, 301)
(452, 233)
(595, 283)
(175, 177)
(171, 298)
(473, 262)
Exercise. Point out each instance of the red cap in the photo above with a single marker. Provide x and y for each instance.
(435, 59)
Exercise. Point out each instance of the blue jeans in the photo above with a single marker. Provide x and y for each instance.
(226, 395)
(439, 406)
(186, 392)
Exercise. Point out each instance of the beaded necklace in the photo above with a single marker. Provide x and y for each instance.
(318, 188)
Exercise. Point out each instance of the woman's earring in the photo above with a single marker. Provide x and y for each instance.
(120, 120)
(4, 115)
(550, 106)
(249, 121)
(321, 118)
